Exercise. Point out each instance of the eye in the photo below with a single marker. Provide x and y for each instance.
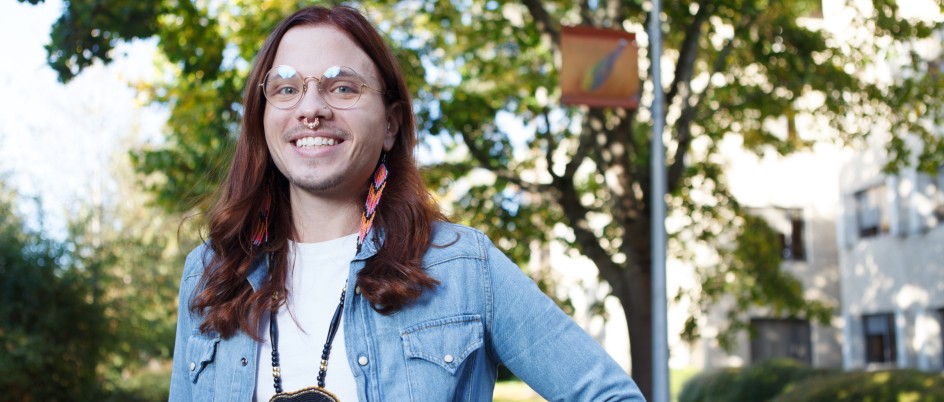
(283, 88)
(286, 90)
(343, 87)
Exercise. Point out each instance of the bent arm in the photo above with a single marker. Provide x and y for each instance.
(544, 347)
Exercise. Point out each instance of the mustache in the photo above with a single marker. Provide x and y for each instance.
(322, 128)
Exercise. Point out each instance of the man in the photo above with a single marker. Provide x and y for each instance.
(324, 234)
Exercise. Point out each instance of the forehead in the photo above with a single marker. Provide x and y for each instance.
(312, 49)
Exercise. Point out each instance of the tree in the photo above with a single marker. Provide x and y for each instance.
(130, 248)
(736, 67)
(79, 318)
(52, 333)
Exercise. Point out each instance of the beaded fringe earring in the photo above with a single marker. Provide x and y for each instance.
(374, 192)
(261, 233)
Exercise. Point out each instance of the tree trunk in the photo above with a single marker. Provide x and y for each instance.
(636, 299)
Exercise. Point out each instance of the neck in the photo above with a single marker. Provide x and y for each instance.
(317, 219)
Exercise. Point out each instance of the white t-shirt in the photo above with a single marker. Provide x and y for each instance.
(314, 285)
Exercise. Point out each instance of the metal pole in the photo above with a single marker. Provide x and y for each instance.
(660, 347)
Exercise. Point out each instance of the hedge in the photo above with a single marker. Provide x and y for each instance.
(901, 385)
(790, 381)
(756, 383)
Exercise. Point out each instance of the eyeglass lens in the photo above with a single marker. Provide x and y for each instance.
(339, 86)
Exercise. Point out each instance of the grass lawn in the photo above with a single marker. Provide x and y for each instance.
(517, 391)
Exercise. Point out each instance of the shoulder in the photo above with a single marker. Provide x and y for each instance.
(451, 240)
(450, 232)
(197, 260)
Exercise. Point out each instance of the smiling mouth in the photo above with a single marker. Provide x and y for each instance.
(316, 142)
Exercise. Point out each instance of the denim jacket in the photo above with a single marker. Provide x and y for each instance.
(446, 346)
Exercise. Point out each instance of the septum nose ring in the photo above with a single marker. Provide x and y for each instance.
(312, 125)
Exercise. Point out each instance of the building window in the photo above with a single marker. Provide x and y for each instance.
(792, 239)
(872, 211)
(880, 344)
(790, 227)
(773, 338)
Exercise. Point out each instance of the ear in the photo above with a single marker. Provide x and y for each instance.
(393, 126)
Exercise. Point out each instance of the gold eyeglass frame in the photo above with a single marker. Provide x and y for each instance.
(318, 81)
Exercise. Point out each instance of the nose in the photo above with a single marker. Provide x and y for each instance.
(312, 104)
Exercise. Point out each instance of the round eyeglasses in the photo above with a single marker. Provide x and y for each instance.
(340, 87)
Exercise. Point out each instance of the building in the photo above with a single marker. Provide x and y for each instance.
(883, 269)
(796, 195)
(891, 251)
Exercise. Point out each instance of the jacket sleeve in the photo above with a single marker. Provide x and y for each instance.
(180, 384)
(543, 346)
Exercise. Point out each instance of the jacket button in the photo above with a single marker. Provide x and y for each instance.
(357, 290)
(193, 366)
(243, 361)
(448, 358)
(362, 360)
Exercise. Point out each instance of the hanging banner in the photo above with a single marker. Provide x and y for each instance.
(599, 68)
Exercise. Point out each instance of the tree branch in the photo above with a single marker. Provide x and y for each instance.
(683, 127)
(586, 17)
(688, 53)
(543, 20)
(588, 242)
(551, 144)
(584, 145)
(614, 158)
(484, 159)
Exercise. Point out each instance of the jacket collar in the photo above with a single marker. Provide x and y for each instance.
(372, 243)
(259, 272)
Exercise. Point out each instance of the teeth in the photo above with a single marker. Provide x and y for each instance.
(312, 142)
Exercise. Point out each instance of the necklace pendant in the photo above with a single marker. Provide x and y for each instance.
(310, 394)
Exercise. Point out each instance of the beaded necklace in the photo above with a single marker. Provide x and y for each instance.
(310, 394)
(319, 393)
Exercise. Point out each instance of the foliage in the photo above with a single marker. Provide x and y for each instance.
(750, 276)
(52, 333)
(151, 384)
(137, 266)
(756, 383)
(88, 319)
(785, 380)
(903, 385)
(572, 174)
(130, 247)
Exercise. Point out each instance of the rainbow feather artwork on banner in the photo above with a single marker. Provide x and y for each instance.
(599, 67)
(595, 76)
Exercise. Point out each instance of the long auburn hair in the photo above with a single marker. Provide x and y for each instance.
(391, 280)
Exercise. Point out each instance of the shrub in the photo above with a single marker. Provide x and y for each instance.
(51, 333)
(878, 386)
(756, 383)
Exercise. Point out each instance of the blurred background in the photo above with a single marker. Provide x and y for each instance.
(803, 152)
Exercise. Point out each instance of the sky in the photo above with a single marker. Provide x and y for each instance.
(58, 142)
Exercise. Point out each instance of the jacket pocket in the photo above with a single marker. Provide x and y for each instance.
(444, 342)
(201, 350)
